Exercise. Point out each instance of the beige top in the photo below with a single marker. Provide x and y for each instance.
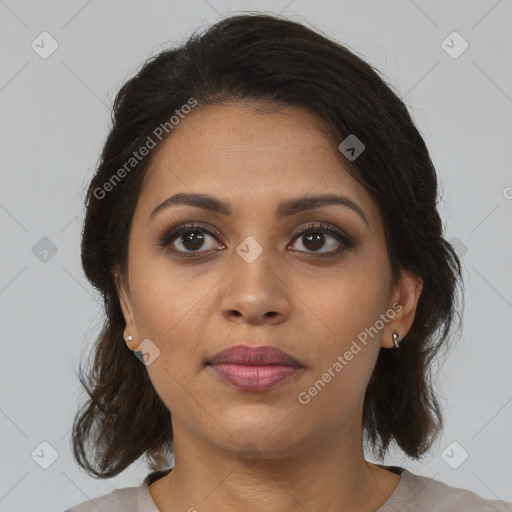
(414, 493)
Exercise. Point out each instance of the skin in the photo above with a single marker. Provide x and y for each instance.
(309, 457)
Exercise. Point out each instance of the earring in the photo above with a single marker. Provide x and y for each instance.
(395, 339)
(129, 338)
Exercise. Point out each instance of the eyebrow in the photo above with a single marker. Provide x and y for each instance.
(284, 209)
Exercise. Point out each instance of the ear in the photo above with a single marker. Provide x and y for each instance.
(404, 303)
(123, 292)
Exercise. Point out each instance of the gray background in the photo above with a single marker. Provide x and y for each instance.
(55, 115)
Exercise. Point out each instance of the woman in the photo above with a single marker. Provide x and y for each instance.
(263, 229)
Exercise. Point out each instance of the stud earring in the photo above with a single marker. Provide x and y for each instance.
(395, 336)
(129, 338)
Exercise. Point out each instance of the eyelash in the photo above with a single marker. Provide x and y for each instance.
(322, 227)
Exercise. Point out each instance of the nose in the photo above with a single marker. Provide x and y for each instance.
(254, 291)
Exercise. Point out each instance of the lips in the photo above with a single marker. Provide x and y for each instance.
(254, 369)
(254, 356)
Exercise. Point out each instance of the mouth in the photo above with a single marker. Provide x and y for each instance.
(264, 355)
(254, 369)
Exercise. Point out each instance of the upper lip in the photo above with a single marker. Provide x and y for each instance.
(254, 356)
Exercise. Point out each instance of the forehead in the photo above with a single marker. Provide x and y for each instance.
(250, 159)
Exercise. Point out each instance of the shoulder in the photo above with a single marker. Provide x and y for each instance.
(422, 494)
(118, 500)
(127, 499)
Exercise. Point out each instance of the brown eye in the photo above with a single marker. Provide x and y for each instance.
(315, 237)
(188, 239)
(192, 240)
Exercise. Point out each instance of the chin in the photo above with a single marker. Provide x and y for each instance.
(263, 439)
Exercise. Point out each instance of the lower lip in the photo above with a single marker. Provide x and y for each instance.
(254, 378)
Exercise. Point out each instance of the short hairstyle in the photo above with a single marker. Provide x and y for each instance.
(267, 60)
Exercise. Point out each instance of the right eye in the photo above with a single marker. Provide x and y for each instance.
(187, 239)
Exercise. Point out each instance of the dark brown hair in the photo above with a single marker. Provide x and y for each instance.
(269, 60)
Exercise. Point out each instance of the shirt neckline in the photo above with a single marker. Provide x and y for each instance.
(145, 502)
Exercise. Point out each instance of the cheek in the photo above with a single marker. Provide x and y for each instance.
(165, 295)
(354, 297)
(173, 308)
(349, 304)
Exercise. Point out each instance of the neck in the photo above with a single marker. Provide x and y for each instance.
(331, 474)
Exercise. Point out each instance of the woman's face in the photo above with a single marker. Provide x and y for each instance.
(244, 277)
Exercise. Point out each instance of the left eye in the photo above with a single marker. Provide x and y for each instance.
(192, 237)
(314, 239)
